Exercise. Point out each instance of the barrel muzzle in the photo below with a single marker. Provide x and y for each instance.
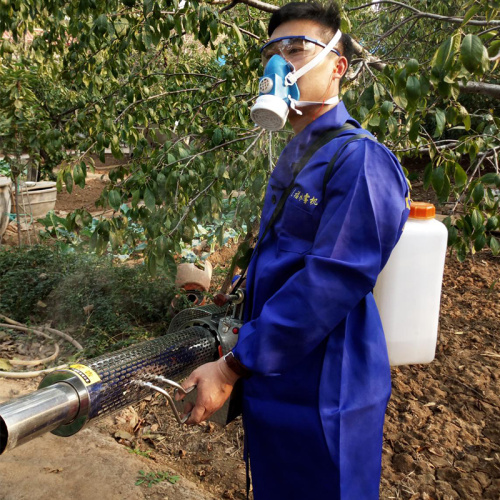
(27, 417)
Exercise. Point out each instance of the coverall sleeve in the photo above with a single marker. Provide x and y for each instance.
(362, 220)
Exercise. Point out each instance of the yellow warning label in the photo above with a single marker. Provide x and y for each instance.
(88, 375)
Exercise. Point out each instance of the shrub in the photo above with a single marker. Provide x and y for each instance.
(109, 305)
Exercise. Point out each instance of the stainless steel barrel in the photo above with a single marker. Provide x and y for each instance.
(29, 416)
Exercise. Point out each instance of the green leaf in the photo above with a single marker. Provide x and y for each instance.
(161, 246)
(151, 263)
(169, 266)
(78, 175)
(68, 180)
(445, 56)
(494, 245)
(136, 196)
(374, 120)
(115, 199)
(477, 219)
(452, 235)
(492, 223)
(386, 109)
(214, 28)
(461, 252)
(445, 190)
(490, 178)
(238, 34)
(217, 137)
(101, 24)
(471, 52)
(161, 180)
(414, 129)
(149, 199)
(465, 116)
(460, 176)
(471, 13)
(147, 7)
(479, 242)
(437, 179)
(478, 193)
(444, 89)
(412, 66)
(413, 87)
(440, 122)
(451, 114)
(494, 49)
(121, 26)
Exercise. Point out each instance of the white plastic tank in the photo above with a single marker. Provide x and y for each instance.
(408, 290)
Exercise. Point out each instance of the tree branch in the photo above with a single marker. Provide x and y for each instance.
(253, 35)
(157, 96)
(457, 20)
(189, 205)
(192, 157)
(265, 7)
(482, 88)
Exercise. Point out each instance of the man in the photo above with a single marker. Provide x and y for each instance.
(312, 351)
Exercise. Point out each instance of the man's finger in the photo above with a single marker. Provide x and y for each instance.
(187, 408)
(189, 382)
(197, 415)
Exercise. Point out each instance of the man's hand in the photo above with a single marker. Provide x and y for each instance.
(214, 382)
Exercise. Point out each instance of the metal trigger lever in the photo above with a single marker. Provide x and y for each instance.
(177, 388)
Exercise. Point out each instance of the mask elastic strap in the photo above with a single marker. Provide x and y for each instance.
(293, 76)
(294, 104)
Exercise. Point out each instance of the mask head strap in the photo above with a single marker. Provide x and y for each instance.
(293, 76)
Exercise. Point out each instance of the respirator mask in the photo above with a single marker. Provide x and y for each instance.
(278, 89)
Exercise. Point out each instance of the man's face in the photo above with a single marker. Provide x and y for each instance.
(321, 82)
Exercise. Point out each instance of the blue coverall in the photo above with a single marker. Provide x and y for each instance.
(314, 407)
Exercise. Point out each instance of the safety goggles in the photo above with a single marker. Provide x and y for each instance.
(291, 48)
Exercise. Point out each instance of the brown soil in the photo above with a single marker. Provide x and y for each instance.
(86, 198)
(442, 433)
(82, 198)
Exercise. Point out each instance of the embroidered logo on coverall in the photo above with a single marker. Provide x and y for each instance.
(304, 197)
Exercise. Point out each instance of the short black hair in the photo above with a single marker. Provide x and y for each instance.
(325, 15)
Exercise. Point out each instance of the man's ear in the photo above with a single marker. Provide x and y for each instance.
(340, 67)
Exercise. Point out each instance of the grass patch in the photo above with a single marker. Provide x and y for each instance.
(106, 305)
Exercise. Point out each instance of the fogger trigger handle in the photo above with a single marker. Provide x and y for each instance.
(177, 388)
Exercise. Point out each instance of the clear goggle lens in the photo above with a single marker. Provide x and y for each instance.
(292, 49)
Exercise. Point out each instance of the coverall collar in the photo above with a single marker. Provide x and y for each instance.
(335, 118)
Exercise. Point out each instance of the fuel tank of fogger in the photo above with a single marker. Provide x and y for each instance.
(408, 290)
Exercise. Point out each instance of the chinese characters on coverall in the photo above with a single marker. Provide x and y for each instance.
(314, 407)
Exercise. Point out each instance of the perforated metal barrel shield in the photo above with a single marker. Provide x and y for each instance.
(173, 356)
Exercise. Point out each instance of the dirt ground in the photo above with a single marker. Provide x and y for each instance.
(442, 432)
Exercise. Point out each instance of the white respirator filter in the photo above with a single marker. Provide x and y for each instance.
(270, 112)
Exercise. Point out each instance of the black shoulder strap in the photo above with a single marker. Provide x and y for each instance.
(331, 163)
(318, 144)
(298, 166)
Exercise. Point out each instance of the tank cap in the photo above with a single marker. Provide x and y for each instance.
(422, 210)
